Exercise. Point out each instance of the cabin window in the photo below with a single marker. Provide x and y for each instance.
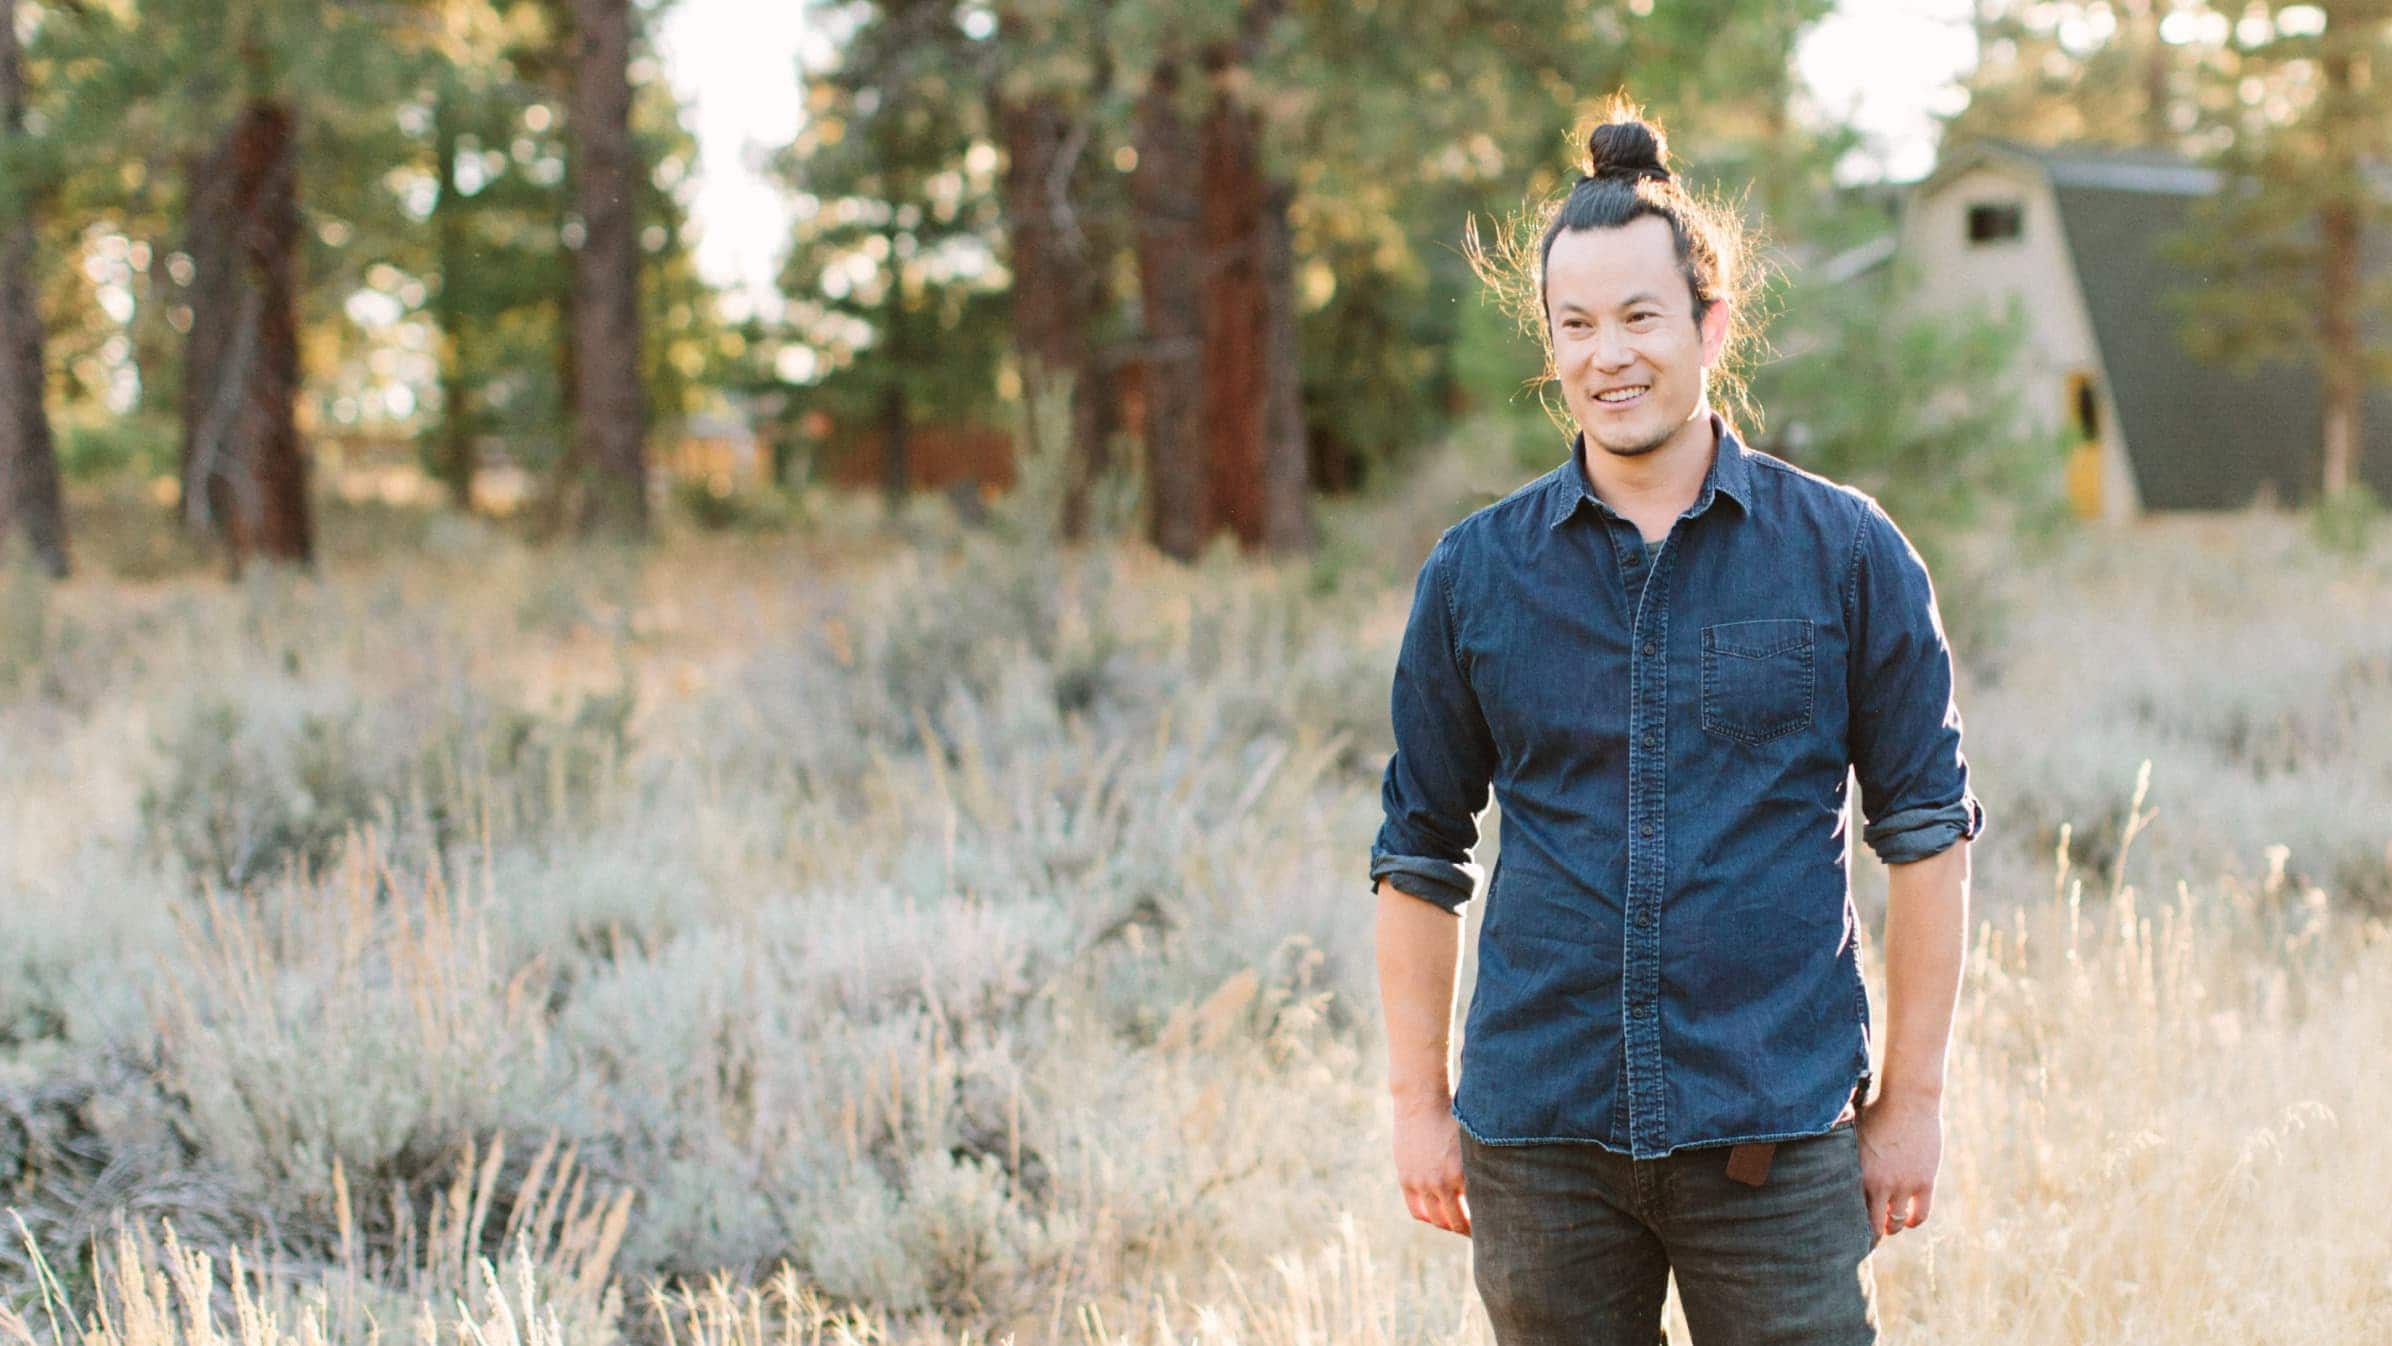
(2084, 406)
(1995, 222)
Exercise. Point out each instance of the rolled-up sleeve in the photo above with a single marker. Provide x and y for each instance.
(1905, 726)
(1437, 781)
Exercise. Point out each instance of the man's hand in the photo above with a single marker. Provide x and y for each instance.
(1428, 1163)
(1901, 1144)
(1419, 949)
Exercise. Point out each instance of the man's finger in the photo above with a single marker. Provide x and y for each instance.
(1918, 1211)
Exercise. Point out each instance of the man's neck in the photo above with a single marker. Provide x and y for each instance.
(1659, 485)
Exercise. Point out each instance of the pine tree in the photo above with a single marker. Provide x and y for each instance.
(1062, 217)
(1297, 172)
(609, 407)
(244, 471)
(2057, 73)
(1171, 284)
(29, 490)
(892, 275)
(2300, 117)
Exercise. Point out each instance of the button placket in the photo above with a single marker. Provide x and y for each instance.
(1648, 691)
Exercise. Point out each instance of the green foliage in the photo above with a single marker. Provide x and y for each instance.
(1912, 408)
(2346, 521)
(731, 511)
(1029, 517)
(892, 278)
(432, 170)
(2298, 198)
(96, 447)
(25, 614)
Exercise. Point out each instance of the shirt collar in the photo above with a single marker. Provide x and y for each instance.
(1730, 476)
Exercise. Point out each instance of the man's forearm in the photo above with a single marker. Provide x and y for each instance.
(1926, 938)
(1420, 950)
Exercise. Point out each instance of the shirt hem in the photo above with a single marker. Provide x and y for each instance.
(1759, 1138)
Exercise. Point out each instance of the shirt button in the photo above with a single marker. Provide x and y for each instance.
(1650, 739)
(1644, 918)
(1647, 829)
(1648, 647)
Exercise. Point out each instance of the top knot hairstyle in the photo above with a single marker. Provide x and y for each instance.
(1625, 151)
(1626, 177)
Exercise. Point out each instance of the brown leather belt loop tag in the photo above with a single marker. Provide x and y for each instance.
(1749, 1164)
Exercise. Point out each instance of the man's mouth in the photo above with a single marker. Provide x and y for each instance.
(1623, 396)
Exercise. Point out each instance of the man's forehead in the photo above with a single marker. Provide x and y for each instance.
(1608, 267)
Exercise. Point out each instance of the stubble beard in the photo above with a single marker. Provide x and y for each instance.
(1636, 450)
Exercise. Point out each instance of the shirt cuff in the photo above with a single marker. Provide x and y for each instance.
(1441, 882)
(1914, 834)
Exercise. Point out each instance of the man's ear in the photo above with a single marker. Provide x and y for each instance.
(1715, 331)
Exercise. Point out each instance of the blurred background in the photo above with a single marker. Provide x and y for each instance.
(565, 262)
(716, 671)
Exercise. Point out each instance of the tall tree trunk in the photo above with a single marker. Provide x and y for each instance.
(245, 473)
(610, 411)
(1059, 288)
(896, 463)
(2142, 21)
(897, 344)
(452, 451)
(1047, 332)
(2340, 226)
(1164, 202)
(209, 400)
(1235, 376)
(156, 363)
(29, 493)
(1286, 475)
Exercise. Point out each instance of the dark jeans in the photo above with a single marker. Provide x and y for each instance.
(1573, 1245)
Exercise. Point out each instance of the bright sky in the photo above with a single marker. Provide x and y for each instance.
(1889, 65)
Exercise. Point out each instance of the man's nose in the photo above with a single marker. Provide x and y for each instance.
(1609, 349)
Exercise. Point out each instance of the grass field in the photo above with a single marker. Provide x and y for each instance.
(810, 935)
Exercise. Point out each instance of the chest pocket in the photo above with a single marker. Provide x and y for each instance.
(1757, 678)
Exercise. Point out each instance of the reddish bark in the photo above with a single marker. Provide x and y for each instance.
(29, 492)
(1286, 483)
(1059, 290)
(1235, 376)
(610, 407)
(245, 470)
(452, 450)
(1164, 205)
(2342, 229)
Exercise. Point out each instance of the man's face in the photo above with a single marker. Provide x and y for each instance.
(1623, 323)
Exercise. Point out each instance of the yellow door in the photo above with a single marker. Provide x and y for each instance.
(2084, 460)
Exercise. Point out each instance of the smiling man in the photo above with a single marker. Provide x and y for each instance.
(1666, 657)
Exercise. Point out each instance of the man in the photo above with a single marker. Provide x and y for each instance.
(1664, 656)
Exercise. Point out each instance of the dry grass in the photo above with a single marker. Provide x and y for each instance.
(960, 941)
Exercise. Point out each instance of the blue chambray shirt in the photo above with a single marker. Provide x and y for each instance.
(1668, 956)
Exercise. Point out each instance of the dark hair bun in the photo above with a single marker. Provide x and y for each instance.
(1626, 151)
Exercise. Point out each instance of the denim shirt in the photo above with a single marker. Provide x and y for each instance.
(1668, 956)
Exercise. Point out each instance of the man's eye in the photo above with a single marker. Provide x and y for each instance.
(1642, 317)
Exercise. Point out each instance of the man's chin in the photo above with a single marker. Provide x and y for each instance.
(1632, 449)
